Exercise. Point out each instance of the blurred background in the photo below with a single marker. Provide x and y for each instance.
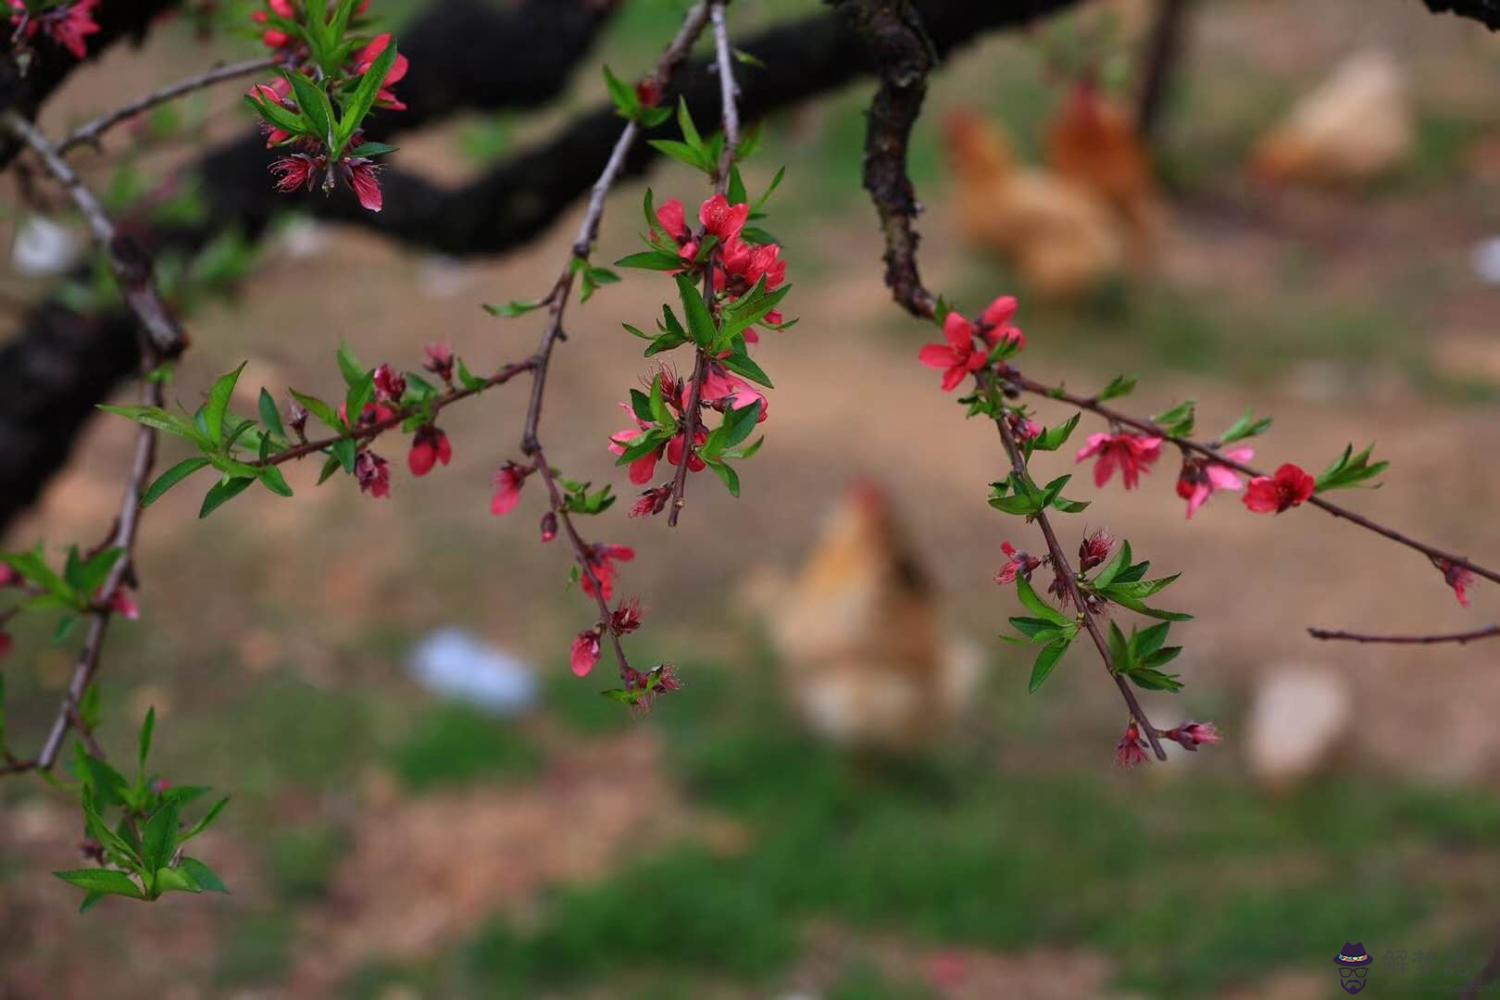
(427, 803)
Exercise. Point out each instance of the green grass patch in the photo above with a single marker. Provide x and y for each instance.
(452, 745)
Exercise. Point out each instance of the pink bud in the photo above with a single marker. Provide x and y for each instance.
(585, 652)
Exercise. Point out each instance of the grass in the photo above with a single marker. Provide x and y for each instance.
(454, 745)
(1189, 887)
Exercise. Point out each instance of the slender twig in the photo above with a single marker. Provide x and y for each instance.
(730, 115)
(160, 338)
(1488, 632)
(90, 132)
(366, 432)
(891, 29)
(1093, 405)
(1159, 61)
(128, 261)
(557, 304)
(1065, 573)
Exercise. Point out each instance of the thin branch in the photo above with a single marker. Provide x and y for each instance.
(160, 338)
(730, 117)
(90, 132)
(1488, 632)
(1065, 572)
(128, 261)
(557, 304)
(1092, 405)
(892, 30)
(366, 432)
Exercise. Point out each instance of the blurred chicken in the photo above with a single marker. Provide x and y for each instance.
(1094, 143)
(860, 638)
(1355, 127)
(1060, 236)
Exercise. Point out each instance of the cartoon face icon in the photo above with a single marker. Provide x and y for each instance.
(1352, 980)
(1354, 966)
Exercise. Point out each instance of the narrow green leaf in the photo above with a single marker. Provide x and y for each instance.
(222, 493)
(1046, 660)
(102, 880)
(171, 478)
(203, 875)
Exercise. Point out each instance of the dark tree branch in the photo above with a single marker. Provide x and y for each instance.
(1486, 12)
(905, 55)
(1163, 53)
(1488, 632)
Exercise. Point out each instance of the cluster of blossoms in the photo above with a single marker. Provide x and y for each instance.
(742, 277)
(314, 113)
(67, 24)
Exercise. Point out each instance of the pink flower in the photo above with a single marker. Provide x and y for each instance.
(509, 479)
(549, 526)
(124, 605)
(1094, 549)
(429, 446)
(651, 502)
(1016, 564)
(735, 393)
(648, 92)
(1274, 494)
(1024, 429)
(677, 445)
(439, 361)
(373, 474)
(363, 176)
(9, 577)
(957, 358)
(585, 652)
(995, 323)
(389, 386)
(721, 219)
(1456, 577)
(274, 39)
(67, 25)
(1131, 750)
(745, 265)
(1132, 453)
(673, 219)
(295, 172)
(282, 9)
(601, 560)
(643, 468)
(366, 59)
(1202, 477)
(1192, 735)
(626, 618)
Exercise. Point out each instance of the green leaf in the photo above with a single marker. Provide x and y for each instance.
(272, 479)
(1138, 607)
(651, 260)
(312, 101)
(372, 149)
(1046, 660)
(700, 322)
(326, 414)
(1178, 421)
(1150, 640)
(363, 98)
(270, 414)
(222, 493)
(1036, 605)
(728, 477)
(512, 309)
(1350, 470)
(1118, 386)
(218, 403)
(108, 785)
(147, 728)
(158, 419)
(1112, 569)
(1245, 427)
(171, 478)
(280, 117)
(354, 373)
(160, 837)
(102, 880)
(682, 153)
(685, 122)
(622, 95)
(739, 423)
(204, 823)
(1036, 628)
(173, 880)
(90, 900)
(202, 874)
(742, 365)
(1054, 438)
